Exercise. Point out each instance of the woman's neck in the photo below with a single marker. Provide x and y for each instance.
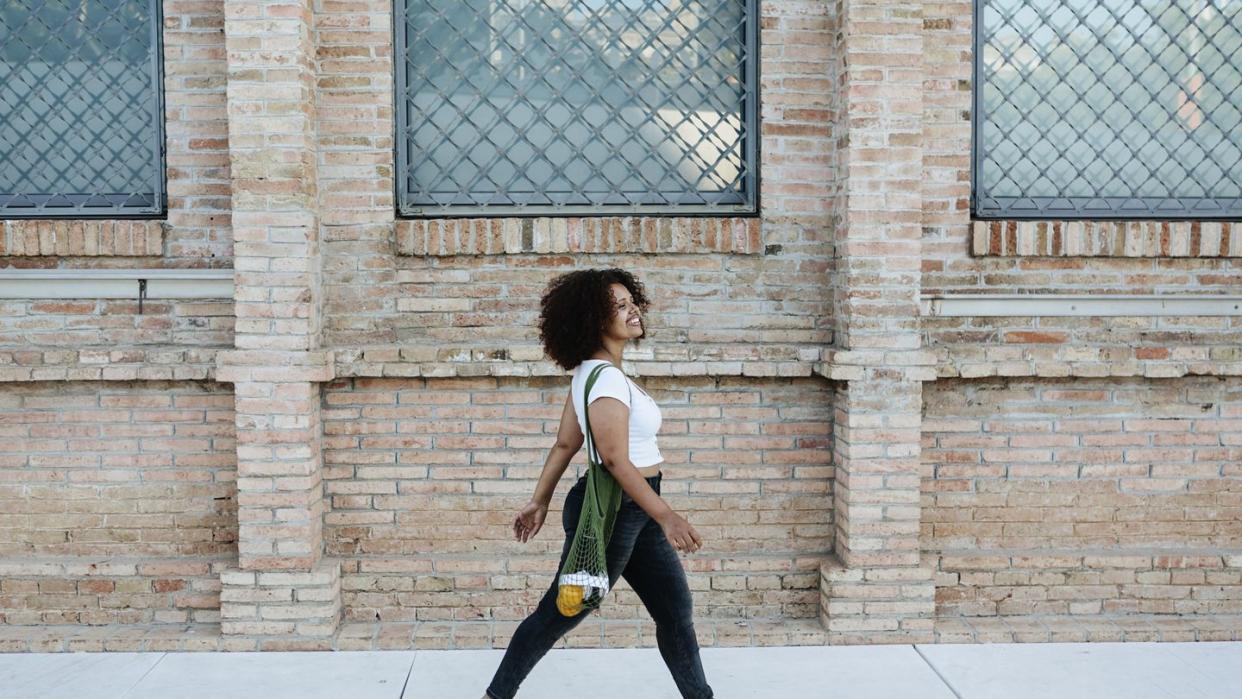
(610, 352)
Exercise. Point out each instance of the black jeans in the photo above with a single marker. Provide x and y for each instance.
(639, 552)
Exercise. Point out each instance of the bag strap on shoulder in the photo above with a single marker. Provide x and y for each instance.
(586, 407)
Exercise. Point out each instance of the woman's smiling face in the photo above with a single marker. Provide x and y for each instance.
(626, 322)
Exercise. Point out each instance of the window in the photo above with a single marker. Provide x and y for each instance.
(584, 107)
(1108, 109)
(81, 119)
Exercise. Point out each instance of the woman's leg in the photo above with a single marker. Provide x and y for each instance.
(533, 638)
(536, 635)
(656, 574)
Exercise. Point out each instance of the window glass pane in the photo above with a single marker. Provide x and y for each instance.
(1109, 108)
(559, 105)
(80, 118)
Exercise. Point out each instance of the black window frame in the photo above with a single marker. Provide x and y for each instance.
(654, 205)
(143, 205)
(985, 207)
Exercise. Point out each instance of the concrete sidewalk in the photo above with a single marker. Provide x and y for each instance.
(975, 671)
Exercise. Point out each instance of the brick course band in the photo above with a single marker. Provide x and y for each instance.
(1061, 360)
(154, 363)
(1105, 239)
(497, 236)
(85, 237)
(528, 360)
(1086, 361)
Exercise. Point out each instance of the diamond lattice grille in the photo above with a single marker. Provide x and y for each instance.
(81, 124)
(586, 106)
(1108, 108)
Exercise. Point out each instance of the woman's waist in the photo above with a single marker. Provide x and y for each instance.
(651, 473)
(648, 472)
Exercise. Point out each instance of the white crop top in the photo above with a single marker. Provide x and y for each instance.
(645, 416)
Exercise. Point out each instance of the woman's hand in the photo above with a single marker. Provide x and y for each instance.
(680, 533)
(529, 520)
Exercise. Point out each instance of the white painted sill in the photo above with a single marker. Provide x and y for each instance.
(1052, 305)
(116, 283)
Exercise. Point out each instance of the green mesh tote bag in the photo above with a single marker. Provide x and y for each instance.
(583, 580)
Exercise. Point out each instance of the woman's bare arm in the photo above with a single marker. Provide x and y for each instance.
(568, 441)
(529, 519)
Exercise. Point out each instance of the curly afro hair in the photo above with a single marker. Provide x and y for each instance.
(577, 307)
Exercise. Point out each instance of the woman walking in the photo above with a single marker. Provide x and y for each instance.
(587, 318)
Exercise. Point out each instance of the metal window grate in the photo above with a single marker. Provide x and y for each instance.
(1108, 109)
(576, 107)
(81, 114)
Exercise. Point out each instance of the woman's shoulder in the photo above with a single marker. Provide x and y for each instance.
(609, 375)
(588, 364)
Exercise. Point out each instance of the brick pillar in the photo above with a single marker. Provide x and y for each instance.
(282, 594)
(874, 590)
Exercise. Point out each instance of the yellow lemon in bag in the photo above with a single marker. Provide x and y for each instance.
(569, 599)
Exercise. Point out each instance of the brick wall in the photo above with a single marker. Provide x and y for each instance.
(423, 477)
(786, 357)
(117, 465)
(1084, 496)
(948, 264)
(64, 324)
(771, 296)
(196, 231)
(950, 267)
(50, 340)
(118, 501)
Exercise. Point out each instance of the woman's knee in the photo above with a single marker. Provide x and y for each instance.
(674, 616)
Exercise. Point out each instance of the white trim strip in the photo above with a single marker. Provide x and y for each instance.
(115, 283)
(1046, 305)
